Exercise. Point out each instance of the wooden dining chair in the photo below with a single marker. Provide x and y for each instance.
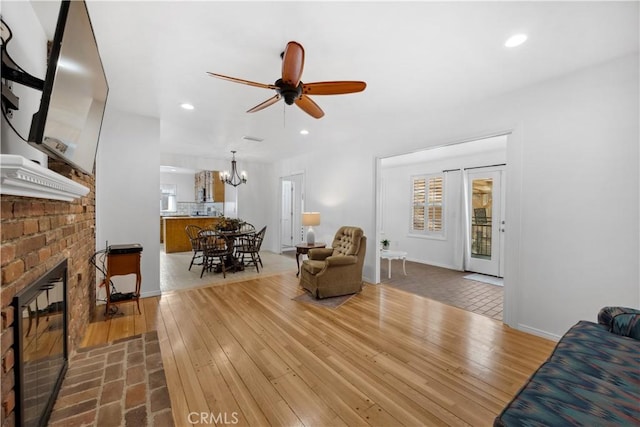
(246, 231)
(192, 232)
(246, 227)
(215, 250)
(250, 246)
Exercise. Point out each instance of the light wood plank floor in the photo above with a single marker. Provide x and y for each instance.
(246, 351)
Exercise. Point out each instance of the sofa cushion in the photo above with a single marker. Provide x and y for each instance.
(591, 378)
(596, 341)
(623, 321)
(590, 350)
(607, 314)
(627, 325)
(556, 396)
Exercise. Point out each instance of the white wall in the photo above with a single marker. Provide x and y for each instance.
(127, 190)
(341, 188)
(258, 202)
(578, 248)
(445, 251)
(572, 190)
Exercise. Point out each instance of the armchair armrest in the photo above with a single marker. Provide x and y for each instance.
(341, 260)
(320, 254)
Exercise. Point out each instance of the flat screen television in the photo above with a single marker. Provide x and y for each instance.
(68, 123)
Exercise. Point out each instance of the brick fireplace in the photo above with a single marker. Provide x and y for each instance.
(36, 235)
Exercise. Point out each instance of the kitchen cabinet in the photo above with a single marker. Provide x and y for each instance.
(208, 187)
(175, 238)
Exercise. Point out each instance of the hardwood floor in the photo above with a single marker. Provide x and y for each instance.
(124, 325)
(247, 352)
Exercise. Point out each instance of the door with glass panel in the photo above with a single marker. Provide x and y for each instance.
(486, 221)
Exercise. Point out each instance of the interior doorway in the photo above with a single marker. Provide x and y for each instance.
(292, 197)
(485, 213)
(478, 163)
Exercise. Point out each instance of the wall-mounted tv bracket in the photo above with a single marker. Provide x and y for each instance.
(13, 72)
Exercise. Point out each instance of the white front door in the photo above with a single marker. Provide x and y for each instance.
(286, 219)
(486, 221)
(291, 211)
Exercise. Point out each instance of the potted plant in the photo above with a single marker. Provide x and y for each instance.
(228, 224)
(385, 244)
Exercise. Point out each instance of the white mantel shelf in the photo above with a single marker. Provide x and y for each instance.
(22, 177)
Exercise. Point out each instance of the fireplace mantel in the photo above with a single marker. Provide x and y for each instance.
(22, 177)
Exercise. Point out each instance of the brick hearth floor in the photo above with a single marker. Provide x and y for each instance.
(121, 383)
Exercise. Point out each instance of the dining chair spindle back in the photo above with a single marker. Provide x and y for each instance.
(215, 250)
(192, 232)
(250, 246)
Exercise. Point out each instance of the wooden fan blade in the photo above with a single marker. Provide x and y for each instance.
(308, 106)
(265, 104)
(333, 88)
(292, 63)
(245, 82)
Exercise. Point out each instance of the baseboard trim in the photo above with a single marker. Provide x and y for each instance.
(539, 332)
(435, 264)
(155, 293)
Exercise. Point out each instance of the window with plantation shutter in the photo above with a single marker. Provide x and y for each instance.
(428, 205)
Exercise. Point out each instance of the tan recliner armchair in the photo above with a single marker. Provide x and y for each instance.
(337, 270)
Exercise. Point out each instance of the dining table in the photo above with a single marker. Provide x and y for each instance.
(232, 263)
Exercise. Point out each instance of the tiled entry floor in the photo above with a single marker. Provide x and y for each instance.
(447, 286)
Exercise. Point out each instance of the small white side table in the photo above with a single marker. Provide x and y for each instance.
(386, 254)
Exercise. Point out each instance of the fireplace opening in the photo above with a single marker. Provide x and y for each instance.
(40, 345)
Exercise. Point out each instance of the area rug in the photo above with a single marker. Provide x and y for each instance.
(333, 302)
(492, 280)
(121, 383)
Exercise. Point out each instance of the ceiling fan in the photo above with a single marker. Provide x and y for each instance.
(295, 91)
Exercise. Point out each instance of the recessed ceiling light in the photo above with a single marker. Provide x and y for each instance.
(187, 106)
(304, 132)
(516, 40)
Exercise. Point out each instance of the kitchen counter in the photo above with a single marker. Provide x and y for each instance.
(174, 236)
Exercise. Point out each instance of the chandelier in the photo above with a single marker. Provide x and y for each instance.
(234, 178)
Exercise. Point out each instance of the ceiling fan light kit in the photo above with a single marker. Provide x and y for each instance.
(292, 89)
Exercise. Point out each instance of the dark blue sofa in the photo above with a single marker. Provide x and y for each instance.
(592, 378)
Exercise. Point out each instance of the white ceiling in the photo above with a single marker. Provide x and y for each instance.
(414, 56)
